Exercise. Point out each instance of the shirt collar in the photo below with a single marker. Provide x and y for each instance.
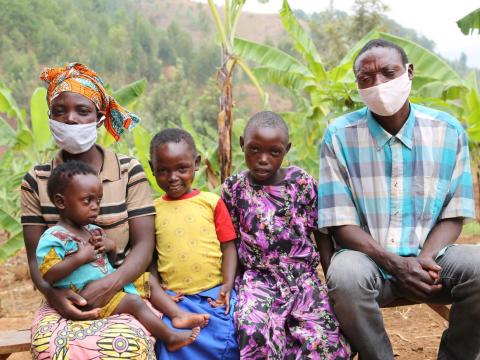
(110, 168)
(381, 136)
(189, 195)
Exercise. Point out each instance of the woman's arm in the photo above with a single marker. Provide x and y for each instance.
(142, 233)
(65, 301)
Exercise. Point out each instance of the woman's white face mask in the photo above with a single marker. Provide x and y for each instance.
(387, 98)
(74, 139)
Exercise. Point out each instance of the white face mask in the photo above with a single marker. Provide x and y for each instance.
(74, 139)
(387, 98)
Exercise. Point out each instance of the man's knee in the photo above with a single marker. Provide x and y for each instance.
(351, 272)
(461, 263)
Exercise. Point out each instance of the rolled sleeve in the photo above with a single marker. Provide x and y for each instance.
(31, 213)
(460, 201)
(139, 196)
(335, 201)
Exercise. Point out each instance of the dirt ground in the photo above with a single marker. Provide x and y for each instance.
(415, 331)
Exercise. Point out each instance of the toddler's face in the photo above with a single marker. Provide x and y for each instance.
(264, 148)
(174, 166)
(80, 203)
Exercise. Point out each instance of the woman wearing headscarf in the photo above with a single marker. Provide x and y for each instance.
(78, 105)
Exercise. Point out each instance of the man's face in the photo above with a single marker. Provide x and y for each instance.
(379, 65)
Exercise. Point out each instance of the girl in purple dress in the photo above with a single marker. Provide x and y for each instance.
(282, 309)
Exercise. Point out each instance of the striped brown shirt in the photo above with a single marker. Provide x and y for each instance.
(126, 195)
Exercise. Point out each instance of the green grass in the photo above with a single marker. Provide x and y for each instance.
(471, 229)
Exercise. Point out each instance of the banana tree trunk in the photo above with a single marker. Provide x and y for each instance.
(225, 116)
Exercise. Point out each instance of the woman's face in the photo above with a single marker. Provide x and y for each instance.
(72, 108)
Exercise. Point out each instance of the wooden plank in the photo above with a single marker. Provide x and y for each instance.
(14, 341)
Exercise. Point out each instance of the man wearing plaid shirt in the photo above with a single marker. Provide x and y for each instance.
(395, 189)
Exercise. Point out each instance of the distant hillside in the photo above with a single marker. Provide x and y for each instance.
(191, 16)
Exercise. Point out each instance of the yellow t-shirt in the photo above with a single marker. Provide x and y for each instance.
(189, 231)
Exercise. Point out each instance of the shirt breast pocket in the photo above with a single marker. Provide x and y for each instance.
(429, 195)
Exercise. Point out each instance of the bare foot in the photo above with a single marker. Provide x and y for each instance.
(177, 340)
(187, 320)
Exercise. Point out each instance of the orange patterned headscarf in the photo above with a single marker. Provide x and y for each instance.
(80, 79)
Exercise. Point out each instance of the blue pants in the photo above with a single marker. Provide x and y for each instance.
(216, 341)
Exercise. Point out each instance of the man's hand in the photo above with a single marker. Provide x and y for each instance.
(99, 292)
(418, 276)
(223, 298)
(429, 265)
(65, 301)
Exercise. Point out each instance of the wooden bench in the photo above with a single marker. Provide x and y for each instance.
(19, 340)
(14, 341)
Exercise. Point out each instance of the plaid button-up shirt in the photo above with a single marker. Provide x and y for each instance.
(395, 187)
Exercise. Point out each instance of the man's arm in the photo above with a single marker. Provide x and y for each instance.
(142, 234)
(444, 233)
(406, 270)
(62, 300)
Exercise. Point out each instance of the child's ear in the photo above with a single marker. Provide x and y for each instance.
(242, 142)
(59, 201)
(288, 148)
(197, 162)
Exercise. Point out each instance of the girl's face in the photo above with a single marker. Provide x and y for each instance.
(74, 109)
(80, 204)
(265, 148)
(174, 166)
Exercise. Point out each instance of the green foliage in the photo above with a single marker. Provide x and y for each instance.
(321, 95)
(469, 23)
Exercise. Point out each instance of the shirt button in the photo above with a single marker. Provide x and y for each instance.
(392, 240)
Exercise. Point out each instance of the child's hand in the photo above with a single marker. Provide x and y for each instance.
(86, 253)
(102, 243)
(176, 298)
(223, 298)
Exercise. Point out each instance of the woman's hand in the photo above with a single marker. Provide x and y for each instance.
(223, 298)
(66, 302)
(99, 292)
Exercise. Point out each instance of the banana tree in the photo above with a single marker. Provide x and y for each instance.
(469, 23)
(322, 95)
(229, 60)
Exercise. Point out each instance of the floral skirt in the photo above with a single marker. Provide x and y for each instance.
(118, 336)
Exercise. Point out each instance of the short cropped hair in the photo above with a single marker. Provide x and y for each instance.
(383, 44)
(172, 135)
(63, 174)
(266, 119)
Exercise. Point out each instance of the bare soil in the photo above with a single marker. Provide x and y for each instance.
(415, 331)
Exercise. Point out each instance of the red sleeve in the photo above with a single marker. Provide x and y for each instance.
(223, 223)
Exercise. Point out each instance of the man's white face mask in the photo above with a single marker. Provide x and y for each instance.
(74, 139)
(387, 98)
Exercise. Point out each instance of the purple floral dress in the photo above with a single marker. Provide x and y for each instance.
(282, 309)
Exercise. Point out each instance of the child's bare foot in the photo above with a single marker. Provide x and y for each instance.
(187, 320)
(177, 340)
